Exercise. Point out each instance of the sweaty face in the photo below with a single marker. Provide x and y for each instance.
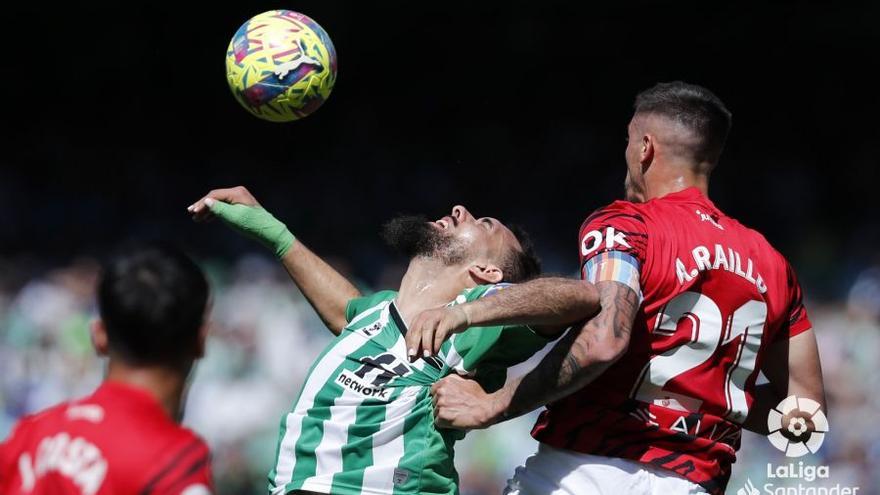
(457, 238)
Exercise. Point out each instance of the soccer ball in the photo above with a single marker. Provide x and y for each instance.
(281, 65)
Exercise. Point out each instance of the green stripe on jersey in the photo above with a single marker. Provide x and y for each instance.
(363, 423)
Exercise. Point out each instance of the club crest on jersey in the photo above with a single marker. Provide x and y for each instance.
(594, 239)
(400, 476)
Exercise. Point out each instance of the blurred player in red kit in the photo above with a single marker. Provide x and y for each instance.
(651, 395)
(125, 438)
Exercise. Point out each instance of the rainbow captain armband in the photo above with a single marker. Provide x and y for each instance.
(613, 266)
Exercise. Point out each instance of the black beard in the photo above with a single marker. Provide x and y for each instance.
(412, 236)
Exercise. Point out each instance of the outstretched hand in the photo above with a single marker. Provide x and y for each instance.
(203, 209)
(429, 329)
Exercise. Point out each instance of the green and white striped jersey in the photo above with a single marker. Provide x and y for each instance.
(363, 422)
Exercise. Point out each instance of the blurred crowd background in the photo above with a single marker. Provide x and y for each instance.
(264, 336)
(118, 118)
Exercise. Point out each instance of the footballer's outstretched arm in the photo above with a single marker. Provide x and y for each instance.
(792, 367)
(325, 288)
(547, 304)
(575, 361)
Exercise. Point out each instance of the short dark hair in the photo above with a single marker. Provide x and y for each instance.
(696, 108)
(152, 300)
(521, 265)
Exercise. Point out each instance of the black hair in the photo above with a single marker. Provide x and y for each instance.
(696, 108)
(521, 265)
(152, 299)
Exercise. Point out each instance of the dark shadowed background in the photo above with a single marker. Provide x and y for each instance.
(117, 118)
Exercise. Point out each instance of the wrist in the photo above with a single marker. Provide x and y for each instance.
(273, 233)
(284, 242)
(256, 222)
(465, 311)
(497, 410)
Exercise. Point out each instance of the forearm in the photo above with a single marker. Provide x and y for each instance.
(792, 367)
(325, 288)
(540, 302)
(805, 369)
(577, 359)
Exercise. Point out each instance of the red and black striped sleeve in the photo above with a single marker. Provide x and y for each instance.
(186, 471)
(797, 320)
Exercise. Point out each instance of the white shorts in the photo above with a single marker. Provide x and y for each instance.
(552, 471)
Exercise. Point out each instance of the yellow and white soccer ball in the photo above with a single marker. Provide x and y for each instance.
(281, 65)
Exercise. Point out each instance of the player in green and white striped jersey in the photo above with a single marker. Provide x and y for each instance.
(363, 422)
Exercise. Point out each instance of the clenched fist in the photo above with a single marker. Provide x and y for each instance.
(462, 404)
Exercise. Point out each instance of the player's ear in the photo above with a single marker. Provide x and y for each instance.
(98, 332)
(486, 273)
(646, 151)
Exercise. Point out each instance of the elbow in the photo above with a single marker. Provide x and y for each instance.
(335, 325)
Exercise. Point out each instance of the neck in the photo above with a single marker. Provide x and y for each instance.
(674, 178)
(166, 385)
(427, 284)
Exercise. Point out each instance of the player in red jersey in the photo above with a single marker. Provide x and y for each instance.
(124, 438)
(650, 396)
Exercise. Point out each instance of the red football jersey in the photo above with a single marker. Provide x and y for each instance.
(714, 295)
(118, 441)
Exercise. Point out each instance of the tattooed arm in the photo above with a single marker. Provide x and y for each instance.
(575, 361)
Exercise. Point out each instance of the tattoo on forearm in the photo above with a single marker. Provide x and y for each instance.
(622, 303)
(573, 362)
(570, 368)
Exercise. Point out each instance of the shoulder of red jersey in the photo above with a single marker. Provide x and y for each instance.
(19, 437)
(29, 421)
(797, 320)
(611, 210)
(626, 219)
(612, 244)
(50, 411)
(184, 469)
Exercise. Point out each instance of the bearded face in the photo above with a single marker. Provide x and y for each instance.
(414, 236)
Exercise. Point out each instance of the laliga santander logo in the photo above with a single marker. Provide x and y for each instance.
(789, 426)
(797, 427)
